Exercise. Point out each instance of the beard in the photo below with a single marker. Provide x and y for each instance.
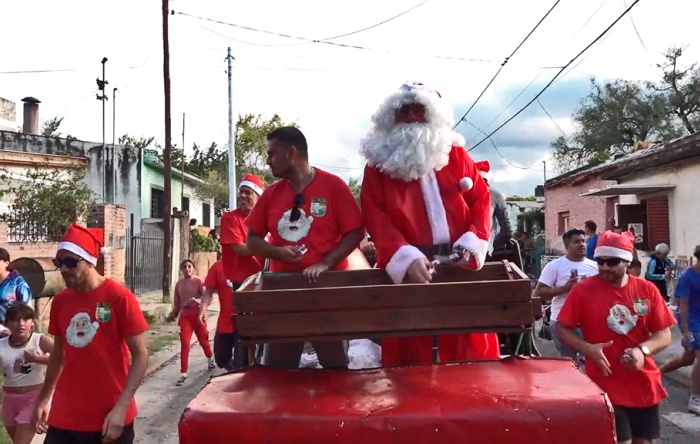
(408, 151)
(80, 339)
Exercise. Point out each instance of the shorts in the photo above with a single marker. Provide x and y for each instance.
(18, 408)
(563, 350)
(227, 351)
(637, 422)
(694, 329)
(61, 436)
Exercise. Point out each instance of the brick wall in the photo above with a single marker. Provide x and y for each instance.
(563, 197)
(112, 218)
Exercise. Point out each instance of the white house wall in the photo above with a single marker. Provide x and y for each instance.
(196, 206)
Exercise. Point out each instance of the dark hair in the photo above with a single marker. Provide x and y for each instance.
(19, 311)
(4, 255)
(185, 262)
(591, 225)
(635, 264)
(571, 233)
(290, 136)
(696, 252)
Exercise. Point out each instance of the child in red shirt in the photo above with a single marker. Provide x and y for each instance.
(314, 224)
(99, 356)
(624, 321)
(187, 292)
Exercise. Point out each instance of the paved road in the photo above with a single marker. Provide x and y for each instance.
(161, 403)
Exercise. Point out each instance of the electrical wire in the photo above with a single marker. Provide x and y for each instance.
(635, 28)
(309, 40)
(41, 71)
(505, 62)
(551, 118)
(513, 101)
(557, 75)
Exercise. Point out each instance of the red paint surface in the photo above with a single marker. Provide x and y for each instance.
(513, 400)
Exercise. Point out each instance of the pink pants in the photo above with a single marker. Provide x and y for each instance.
(17, 408)
(191, 323)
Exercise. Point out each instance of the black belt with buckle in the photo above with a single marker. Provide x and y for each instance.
(435, 250)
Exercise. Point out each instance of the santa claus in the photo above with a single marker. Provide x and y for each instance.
(422, 196)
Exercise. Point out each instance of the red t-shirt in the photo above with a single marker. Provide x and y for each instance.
(93, 327)
(626, 316)
(329, 211)
(233, 231)
(216, 280)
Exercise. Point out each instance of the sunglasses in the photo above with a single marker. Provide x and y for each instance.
(611, 262)
(69, 262)
(296, 212)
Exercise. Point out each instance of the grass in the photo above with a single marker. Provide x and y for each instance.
(158, 343)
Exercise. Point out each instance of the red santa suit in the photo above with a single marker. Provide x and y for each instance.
(415, 199)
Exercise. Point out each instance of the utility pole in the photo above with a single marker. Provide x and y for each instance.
(114, 146)
(231, 148)
(167, 153)
(101, 84)
(182, 166)
(544, 170)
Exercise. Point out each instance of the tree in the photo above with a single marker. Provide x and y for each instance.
(516, 198)
(354, 183)
(681, 89)
(50, 127)
(46, 202)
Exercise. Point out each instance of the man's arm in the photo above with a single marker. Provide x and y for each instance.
(547, 293)
(241, 249)
(137, 369)
(685, 318)
(53, 371)
(651, 267)
(658, 341)
(501, 213)
(258, 246)
(205, 302)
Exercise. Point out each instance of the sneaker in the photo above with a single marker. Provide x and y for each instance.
(183, 378)
(694, 404)
(210, 364)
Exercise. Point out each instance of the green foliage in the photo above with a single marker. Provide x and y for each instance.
(355, 183)
(50, 127)
(46, 202)
(531, 222)
(202, 243)
(516, 198)
(618, 115)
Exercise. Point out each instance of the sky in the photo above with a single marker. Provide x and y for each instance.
(331, 91)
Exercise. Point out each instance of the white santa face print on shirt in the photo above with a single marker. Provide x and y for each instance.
(81, 331)
(621, 319)
(294, 231)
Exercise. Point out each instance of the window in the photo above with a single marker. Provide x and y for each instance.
(564, 222)
(206, 215)
(156, 203)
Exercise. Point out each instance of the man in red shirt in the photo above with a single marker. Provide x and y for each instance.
(624, 322)
(227, 353)
(238, 263)
(99, 356)
(422, 196)
(314, 224)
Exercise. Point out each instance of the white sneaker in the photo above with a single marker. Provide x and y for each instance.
(210, 364)
(183, 378)
(694, 404)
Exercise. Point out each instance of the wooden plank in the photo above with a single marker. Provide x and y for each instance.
(375, 276)
(536, 307)
(261, 340)
(383, 296)
(519, 274)
(377, 321)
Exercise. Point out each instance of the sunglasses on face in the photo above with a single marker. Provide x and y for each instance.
(611, 262)
(69, 262)
(296, 212)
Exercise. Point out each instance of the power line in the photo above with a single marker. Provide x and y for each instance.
(514, 100)
(635, 28)
(377, 24)
(41, 71)
(551, 118)
(505, 62)
(557, 75)
(325, 42)
(508, 162)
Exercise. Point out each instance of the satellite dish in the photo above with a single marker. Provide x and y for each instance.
(32, 272)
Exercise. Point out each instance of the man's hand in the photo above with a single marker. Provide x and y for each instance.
(203, 317)
(570, 283)
(462, 262)
(113, 425)
(311, 273)
(367, 247)
(419, 272)
(41, 416)
(633, 359)
(289, 254)
(594, 352)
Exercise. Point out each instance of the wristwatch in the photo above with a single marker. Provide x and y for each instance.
(645, 350)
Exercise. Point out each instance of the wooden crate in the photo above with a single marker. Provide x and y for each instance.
(283, 307)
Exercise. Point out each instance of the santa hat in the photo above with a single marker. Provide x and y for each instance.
(484, 168)
(619, 245)
(85, 242)
(438, 111)
(253, 182)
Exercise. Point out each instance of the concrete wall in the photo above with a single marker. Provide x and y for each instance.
(127, 164)
(683, 208)
(561, 198)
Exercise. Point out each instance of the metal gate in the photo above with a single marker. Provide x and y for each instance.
(144, 260)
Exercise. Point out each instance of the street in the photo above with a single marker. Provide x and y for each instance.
(161, 403)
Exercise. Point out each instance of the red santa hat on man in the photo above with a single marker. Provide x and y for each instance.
(88, 243)
(254, 183)
(619, 245)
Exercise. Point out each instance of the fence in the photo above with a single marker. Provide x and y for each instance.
(24, 226)
(144, 260)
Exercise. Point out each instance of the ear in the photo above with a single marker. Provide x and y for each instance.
(292, 153)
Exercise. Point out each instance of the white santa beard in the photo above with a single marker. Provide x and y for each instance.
(80, 341)
(408, 151)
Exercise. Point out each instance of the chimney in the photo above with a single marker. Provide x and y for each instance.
(31, 115)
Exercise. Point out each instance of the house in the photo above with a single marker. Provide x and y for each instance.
(651, 191)
(152, 180)
(517, 208)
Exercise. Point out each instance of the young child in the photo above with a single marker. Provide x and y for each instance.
(635, 268)
(23, 358)
(188, 291)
